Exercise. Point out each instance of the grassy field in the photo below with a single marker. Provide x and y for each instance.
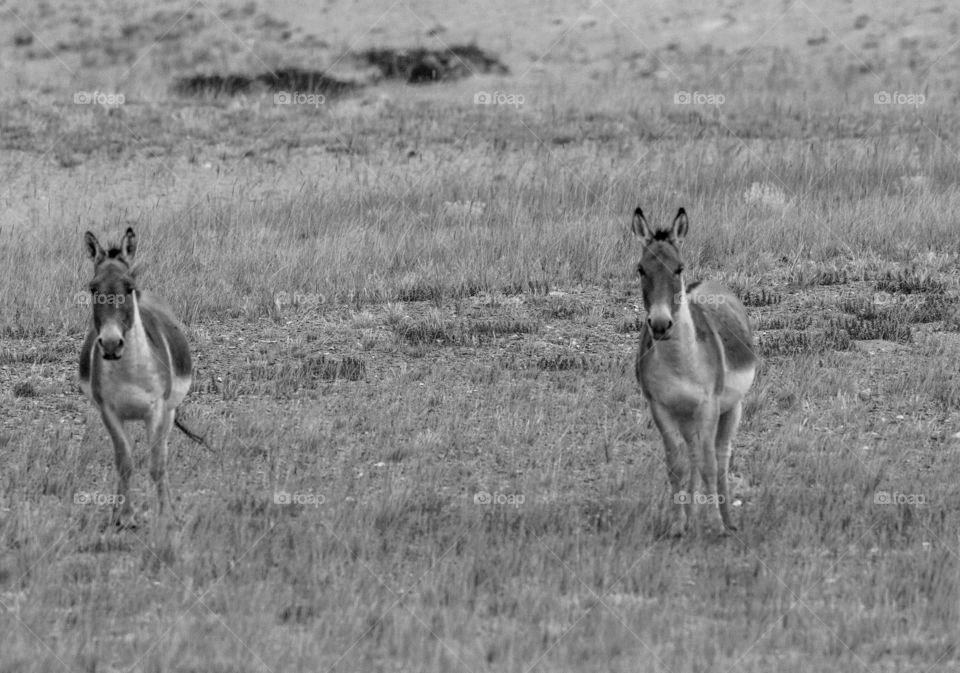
(415, 317)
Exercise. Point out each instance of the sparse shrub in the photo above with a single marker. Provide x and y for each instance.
(810, 341)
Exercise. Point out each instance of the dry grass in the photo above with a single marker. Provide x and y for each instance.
(403, 305)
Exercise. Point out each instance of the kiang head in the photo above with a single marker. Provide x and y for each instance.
(661, 271)
(111, 291)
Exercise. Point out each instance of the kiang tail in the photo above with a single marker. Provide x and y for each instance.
(187, 431)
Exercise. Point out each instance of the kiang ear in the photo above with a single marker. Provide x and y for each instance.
(680, 225)
(128, 246)
(639, 225)
(94, 249)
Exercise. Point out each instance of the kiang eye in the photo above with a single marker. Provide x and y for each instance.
(679, 269)
(641, 271)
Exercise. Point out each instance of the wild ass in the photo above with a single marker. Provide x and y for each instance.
(135, 364)
(695, 364)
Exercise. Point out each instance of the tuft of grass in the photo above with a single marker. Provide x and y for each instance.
(910, 281)
(564, 308)
(326, 368)
(25, 389)
(501, 326)
(630, 325)
(791, 321)
(944, 388)
(429, 329)
(563, 362)
(819, 275)
(885, 325)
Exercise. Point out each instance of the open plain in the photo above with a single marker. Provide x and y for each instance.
(413, 311)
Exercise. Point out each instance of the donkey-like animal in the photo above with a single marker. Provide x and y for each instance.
(695, 364)
(135, 364)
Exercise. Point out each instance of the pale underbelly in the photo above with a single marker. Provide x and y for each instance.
(134, 393)
(685, 395)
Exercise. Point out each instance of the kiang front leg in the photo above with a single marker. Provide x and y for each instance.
(123, 510)
(681, 506)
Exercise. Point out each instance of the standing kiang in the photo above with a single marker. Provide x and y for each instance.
(695, 363)
(135, 365)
